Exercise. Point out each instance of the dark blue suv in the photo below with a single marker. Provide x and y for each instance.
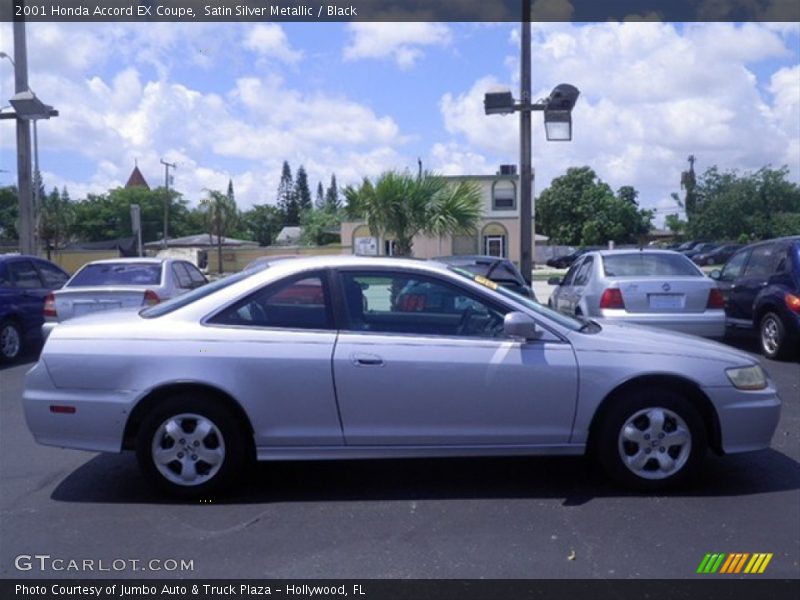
(25, 282)
(761, 287)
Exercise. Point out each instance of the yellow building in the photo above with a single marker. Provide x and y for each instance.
(497, 232)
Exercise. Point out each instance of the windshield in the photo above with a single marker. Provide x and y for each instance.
(540, 309)
(185, 299)
(117, 274)
(642, 264)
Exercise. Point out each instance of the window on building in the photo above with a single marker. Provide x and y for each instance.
(504, 195)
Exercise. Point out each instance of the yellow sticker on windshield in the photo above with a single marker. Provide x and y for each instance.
(487, 282)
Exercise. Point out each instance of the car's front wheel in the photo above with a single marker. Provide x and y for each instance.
(191, 447)
(773, 337)
(10, 341)
(651, 440)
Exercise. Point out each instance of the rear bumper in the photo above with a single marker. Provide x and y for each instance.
(710, 324)
(97, 424)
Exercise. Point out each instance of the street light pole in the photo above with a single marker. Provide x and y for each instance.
(166, 200)
(525, 169)
(26, 238)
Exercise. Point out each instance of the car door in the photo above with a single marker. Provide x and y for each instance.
(30, 292)
(564, 294)
(760, 266)
(728, 282)
(421, 360)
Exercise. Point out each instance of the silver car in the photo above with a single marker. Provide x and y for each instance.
(315, 358)
(119, 283)
(657, 288)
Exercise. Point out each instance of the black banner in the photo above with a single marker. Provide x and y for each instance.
(399, 10)
(368, 589)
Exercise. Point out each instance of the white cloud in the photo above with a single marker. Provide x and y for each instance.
(402, 42)
(270, 41)
(651, 94)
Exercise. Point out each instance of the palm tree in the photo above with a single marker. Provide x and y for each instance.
(403, 205)
(221, 215)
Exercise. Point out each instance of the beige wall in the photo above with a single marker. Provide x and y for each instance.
(236, 259)
(71, 261)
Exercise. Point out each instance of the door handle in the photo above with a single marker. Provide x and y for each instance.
(366, 360)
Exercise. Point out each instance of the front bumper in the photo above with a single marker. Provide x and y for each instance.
(98, 423)
(747, 419)
(708, 324)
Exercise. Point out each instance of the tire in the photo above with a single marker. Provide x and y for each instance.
(10, 341)
(629, 437)
(200, 466)
(710, 262)
(772, 337)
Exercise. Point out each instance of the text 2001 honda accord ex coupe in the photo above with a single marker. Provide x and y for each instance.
(347, 357)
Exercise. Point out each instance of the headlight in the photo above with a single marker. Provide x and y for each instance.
(748, 378)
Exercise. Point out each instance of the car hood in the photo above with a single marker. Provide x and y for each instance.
(623, 338)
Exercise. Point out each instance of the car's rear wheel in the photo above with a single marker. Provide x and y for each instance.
(710, 262)
(191, 447)
(773, 337)
(651, 440)
(10, 341)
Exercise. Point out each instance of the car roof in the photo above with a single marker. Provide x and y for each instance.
(130, 259)
(622, 251)
(470, 258)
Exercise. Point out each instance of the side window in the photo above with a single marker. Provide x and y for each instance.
(195, 275)
(734, 267)
(24, 275)
(181, 276)
(297, 304)
(5, 279)
(782, 260)
(570, 276)
(761, 261)
(417, 305)
(52, 277)
(582, 276)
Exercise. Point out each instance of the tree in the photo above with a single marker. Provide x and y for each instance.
(221, 217)
(320, 226)
(354, 207)
(9, 213)
(262, 223)
(403, 205)
(287, 200)
(332, 195)
(758, 205)
(301, 191)
(55, 220)
(578, 209)
(319, 201)
(675, 224)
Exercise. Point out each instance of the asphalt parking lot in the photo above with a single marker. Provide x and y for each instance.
(476, 518)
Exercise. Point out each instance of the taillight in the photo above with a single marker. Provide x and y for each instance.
(151, 298)
(792, 302)
(50, 306)
(715, 299)
(612, 298)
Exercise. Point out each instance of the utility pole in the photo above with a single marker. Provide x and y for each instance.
(167, 167)
(525, 170)
(26, 236)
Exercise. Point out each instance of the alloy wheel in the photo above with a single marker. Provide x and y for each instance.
(770, 335)
(654, 443)
(10, 342)
(188, 449)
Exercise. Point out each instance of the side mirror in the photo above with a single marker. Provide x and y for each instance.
(715, 274)
(554, 281)
(520, 325)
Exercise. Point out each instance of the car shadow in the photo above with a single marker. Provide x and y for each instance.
(115, 478)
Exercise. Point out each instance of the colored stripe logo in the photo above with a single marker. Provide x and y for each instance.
(738, 562)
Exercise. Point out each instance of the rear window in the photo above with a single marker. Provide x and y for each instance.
(642, 264)
(117, 274)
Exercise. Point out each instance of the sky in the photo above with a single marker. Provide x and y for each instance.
(234, 100)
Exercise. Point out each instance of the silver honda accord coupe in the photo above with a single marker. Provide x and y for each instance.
(345, 357)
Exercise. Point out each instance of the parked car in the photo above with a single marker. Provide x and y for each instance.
(717, 256)
(761, 288)
(565, 260)
(25, 281)
(500, 270)
(687, 245)
(659, 288)
(119, 283)
(250, 376)
(702, 248)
